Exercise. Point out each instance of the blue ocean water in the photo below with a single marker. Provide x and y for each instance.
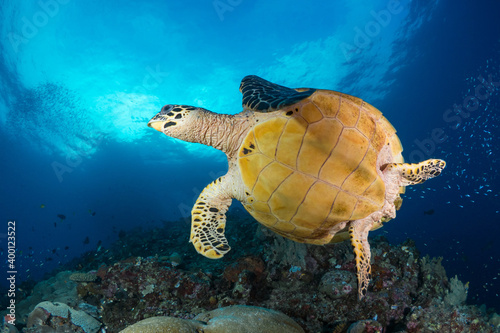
(80, 80)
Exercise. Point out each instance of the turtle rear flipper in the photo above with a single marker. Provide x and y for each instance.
(208, 220)
(358, 233)
(416, 173)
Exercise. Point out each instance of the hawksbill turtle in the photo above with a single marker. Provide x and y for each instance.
(313, 165)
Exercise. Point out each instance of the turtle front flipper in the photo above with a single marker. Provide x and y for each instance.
(358, 232)
(416, 173)
(208, 221)
(263, 96)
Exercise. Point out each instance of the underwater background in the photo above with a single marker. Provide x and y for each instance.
(79, 81)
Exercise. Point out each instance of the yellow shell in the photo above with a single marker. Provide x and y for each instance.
(313, 166)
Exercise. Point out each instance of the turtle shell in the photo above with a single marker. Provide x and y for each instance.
(312, 166)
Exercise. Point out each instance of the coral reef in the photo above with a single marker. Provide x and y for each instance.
(164, 324)
(58, 317)
(440, 317)
(234, 319)
(8, 328)
(457, 293)
(58, 288)
(337, 284)
(156, 273)
(365, 326)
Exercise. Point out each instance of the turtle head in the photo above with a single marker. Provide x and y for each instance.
(177, 121)
(194, 124)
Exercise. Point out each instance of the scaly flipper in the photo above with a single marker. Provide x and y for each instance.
(263, 96)
(417, 173)
(208, 220)
(358, 232)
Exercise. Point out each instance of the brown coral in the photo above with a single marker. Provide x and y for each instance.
(251, 263)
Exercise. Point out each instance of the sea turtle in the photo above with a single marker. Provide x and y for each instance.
(315, 166)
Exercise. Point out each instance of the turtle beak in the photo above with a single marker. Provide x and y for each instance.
(156, 123)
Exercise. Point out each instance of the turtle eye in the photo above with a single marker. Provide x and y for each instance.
(166, 109)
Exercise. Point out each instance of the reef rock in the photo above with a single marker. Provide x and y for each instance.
(338, 284)
(232, 319)
(58, 317)
(58, 288)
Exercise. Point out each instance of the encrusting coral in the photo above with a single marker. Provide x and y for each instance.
(234, 319)
(406, 293)
(48, 316)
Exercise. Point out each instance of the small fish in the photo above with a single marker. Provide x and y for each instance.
(61, 216)
(86, 241)
(429, 212)
(66, 247)
(42, 206)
